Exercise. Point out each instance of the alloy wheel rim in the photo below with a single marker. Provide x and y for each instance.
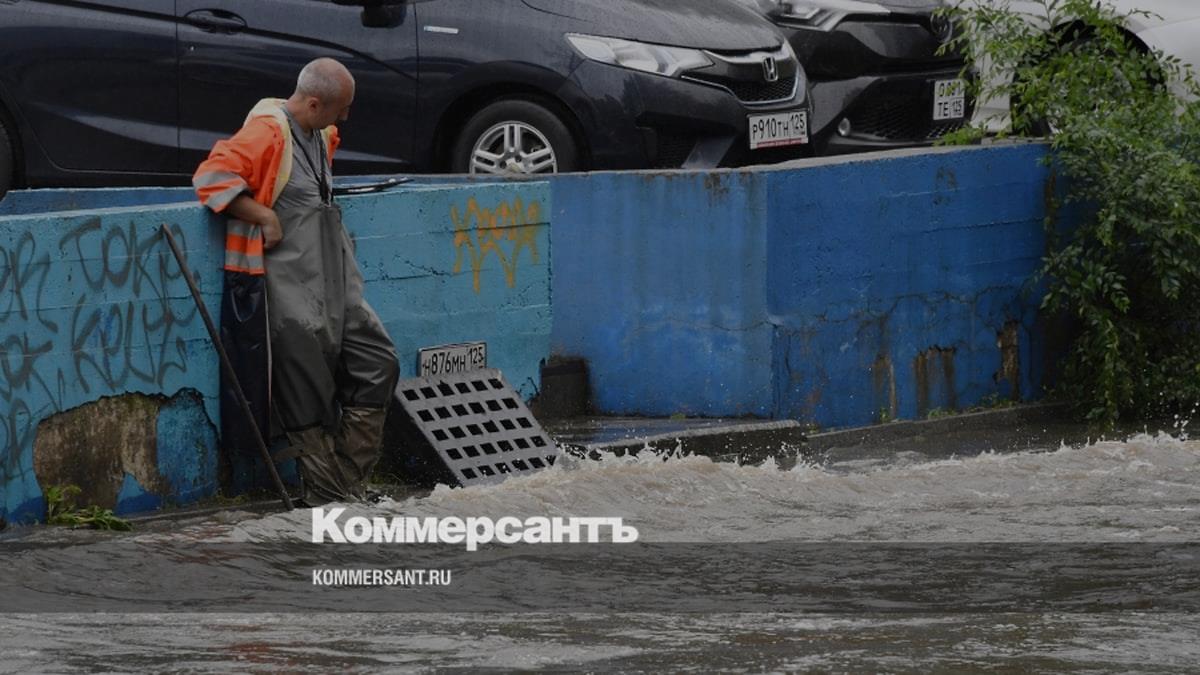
(513, 147)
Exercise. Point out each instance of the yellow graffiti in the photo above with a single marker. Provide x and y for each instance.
(479, 232)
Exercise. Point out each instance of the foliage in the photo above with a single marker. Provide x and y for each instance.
(1125, 128)
(61, 510)
(992, 401)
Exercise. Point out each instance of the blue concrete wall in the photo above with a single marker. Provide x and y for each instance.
(33, 202)
(890, 283)
(92, 306)
(660, 282)
(459, 264)
(839, 292)
(47, 200)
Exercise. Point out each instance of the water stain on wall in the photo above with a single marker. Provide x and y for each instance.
(883, 385)
(1008, 341)
(166, 445)
(95, 445)
(934, 372)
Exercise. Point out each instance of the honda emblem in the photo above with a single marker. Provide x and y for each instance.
(770, 69)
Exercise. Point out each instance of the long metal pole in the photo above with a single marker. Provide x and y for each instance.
(228, 368)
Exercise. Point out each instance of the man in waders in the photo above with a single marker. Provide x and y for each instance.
(329, 367)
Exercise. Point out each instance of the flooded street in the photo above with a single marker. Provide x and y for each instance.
(1076, 559)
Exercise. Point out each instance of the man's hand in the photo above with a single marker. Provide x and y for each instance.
(245, 209)
(271, 229)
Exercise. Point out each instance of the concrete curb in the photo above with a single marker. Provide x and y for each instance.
(980, 422)
(742, 443)
(787, 442)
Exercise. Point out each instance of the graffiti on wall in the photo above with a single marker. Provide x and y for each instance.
(86, 316)
(503, 232)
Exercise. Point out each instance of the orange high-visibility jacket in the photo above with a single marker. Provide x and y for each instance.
(258, 161)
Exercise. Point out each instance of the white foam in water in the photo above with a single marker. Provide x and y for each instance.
(1144, 489)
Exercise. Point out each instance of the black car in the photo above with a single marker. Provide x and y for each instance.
(123, 92)
(878, 75)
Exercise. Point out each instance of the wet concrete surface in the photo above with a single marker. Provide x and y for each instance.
(583, 431)
(1011, 429)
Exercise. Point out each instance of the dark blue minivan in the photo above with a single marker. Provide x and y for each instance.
(126, 92)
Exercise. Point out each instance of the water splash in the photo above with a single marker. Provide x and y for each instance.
(1146, 488)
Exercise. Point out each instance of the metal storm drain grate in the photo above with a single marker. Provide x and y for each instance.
(477, 425)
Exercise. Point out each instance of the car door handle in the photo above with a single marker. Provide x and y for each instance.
(216, 21)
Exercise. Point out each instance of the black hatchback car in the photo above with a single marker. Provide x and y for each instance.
(879, 76)
(120, 92)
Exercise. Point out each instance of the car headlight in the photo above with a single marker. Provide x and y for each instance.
(643, 56)
(789, 53)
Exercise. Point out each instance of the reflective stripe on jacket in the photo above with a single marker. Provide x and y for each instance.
(258, 161)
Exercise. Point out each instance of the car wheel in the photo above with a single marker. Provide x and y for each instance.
(515, 136)
(8, 160)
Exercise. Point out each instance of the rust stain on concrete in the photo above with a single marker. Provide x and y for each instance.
(715, 185)
(934, 373)
(1008, 341)
(883, 383)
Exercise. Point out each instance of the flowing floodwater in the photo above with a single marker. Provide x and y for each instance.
(1073, 559)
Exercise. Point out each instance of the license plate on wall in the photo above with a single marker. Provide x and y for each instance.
(949, 100)
(447, 359)
(778, 129)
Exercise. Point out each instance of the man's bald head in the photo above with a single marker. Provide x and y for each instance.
(324, 92)
(325, 79)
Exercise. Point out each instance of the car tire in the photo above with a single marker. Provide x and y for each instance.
(8, 159)
(515, 135)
